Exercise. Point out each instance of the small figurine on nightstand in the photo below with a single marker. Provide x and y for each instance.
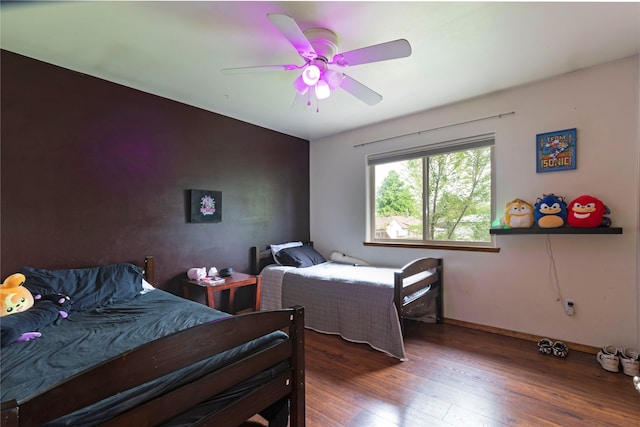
(200, 275)
(197, 273)
(226, 272)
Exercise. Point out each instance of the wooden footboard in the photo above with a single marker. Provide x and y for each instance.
(417, 282)
(176, 351)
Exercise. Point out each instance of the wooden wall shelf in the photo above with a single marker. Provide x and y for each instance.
(560, 230)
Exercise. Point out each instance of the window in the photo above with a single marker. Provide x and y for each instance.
(437, 194)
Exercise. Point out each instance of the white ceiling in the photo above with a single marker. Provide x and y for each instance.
(460, 50)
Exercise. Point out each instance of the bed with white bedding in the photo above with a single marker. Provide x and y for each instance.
(362, 304)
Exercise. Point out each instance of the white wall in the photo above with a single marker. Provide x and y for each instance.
(512, 289)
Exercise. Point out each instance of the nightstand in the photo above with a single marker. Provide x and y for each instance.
(233, 282)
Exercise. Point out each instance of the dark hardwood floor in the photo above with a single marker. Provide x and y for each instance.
(457, 376)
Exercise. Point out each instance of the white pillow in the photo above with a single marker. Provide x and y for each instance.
(146, 287)
(343, 258)
(276, 248)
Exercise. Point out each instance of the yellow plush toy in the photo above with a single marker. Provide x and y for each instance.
(518, 214)
(14, 298)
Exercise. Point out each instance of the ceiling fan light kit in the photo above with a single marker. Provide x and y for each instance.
(311, 75)
(333, 78)
(300, 85)
(318, 47)
(322, 90)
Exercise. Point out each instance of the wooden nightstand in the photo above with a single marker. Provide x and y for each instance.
(233, 282)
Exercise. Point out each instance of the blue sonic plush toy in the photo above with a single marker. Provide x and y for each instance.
(550, 211)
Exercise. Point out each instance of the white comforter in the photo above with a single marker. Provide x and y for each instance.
(355, 302)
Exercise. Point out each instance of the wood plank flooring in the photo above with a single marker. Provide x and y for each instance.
(457, 376)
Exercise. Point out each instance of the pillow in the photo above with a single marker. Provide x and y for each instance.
(299, 256)
(146, 287)
(88, 288)
(277, 248)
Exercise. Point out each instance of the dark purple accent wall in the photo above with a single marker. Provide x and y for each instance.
(94, 173)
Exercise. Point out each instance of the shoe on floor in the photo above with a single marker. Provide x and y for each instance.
(630, 361)
(560, 349)
(544, 346)
(608, 359)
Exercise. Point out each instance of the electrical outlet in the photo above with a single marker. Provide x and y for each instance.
(569, 307)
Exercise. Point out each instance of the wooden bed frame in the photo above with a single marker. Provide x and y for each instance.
(414, 282)
(170, 354)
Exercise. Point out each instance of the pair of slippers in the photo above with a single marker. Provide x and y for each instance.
(558, 348)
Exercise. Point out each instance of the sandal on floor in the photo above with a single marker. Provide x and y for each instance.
(560, 349)
(545, 346)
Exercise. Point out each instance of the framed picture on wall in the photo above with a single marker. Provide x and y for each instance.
(556, 151)
(206, 206)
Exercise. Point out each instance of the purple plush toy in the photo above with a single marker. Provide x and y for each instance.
(23, 326)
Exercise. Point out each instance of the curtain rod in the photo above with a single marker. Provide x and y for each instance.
(498, 116)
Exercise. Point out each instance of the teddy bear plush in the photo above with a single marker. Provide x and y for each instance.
(24, 314)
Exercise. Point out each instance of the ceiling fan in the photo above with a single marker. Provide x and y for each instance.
(318, 47)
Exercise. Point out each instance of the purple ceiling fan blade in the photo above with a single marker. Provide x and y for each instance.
(379, 52)
(360, 91)
(294, 34)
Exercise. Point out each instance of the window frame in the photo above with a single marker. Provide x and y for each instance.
(422, 152)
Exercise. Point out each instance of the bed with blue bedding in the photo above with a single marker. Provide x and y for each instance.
(129, 354)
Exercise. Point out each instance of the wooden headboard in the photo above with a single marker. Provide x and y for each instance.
(260, 258)
(148, 270)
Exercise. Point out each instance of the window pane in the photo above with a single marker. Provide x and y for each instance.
(437, 193)
(459, 196)
(398, 200)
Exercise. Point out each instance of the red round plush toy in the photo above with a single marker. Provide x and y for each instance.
(587, 212)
